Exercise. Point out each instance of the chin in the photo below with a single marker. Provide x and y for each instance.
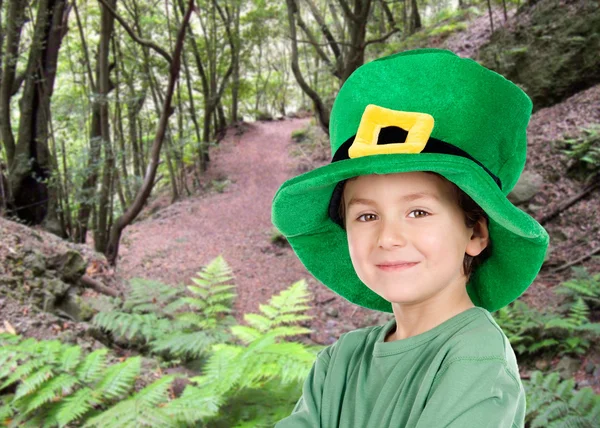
(400, 297)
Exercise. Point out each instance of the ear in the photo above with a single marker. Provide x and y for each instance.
(479, 238)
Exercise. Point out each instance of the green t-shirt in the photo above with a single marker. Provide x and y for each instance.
(462, 373)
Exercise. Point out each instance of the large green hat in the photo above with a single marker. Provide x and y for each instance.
(421, 110)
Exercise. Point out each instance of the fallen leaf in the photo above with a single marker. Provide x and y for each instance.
(9, 328)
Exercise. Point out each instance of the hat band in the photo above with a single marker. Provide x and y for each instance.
(393, 134)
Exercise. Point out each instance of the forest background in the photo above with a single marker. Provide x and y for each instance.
(118, 117)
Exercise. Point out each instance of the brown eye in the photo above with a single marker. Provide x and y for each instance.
(363, 216)
(420, 211)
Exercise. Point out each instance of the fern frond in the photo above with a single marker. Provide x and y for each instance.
(141, 410)
(245, 334)
(57, 387)
(32, 382)
(195, 404)
(70, 358)
(23, 371)
(90, 369)
(74, 406)
(221, 369)
(192, 344)
(150, 295)
(118, 379)
(554, 403)
(6, 409)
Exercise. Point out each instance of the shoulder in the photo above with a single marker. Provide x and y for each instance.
(481, 340)
(352, 341)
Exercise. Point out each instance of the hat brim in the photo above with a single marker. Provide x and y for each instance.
(300, 212)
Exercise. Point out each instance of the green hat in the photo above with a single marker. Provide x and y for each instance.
(421, 110)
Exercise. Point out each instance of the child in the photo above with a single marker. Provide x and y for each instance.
(426, 145)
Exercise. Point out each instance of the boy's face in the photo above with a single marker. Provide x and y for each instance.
(429, 232)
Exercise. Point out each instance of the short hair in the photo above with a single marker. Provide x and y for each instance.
(472, 214)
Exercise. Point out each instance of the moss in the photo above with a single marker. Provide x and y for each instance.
(551, 51)
(299, 135)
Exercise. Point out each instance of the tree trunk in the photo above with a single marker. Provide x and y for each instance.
(112, 250)
(30, 161)
(415, 18)
(489, 7)
(99, 138)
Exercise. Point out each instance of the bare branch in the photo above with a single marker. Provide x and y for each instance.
(313, 40)
(382, 39)
(84, 48)
(134, 36)
(347, 11)
(388, 13)
(321, 109)
(324, 29)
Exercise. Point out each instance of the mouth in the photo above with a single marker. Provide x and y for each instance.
(397, 267)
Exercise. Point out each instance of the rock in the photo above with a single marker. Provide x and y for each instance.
(55, 286)
(75, 307)
(534, 207)
(526, 188)
(541, 365)
(69, 265)
(332, 311)
(567, 367)
(590, 367)
(36, 262)
(559, 236)
(547, 39)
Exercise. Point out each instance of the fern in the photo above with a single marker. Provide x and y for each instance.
(584, 150)
(233, 367)
(247, 383)
(531, 331)
(583, 285)
(554, 403)
(144, 409)
(160, 318)
(149, 296)
(55, 385)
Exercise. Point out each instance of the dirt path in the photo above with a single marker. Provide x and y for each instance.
(174, 243)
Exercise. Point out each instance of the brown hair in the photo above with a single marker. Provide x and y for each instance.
(472, 213)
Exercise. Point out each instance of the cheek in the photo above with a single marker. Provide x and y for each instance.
(357, 245)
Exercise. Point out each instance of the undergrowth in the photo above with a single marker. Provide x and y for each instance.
(253, 379)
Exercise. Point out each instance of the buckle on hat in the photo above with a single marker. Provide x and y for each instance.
(418, 125)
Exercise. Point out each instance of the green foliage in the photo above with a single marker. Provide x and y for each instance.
(220, 185)
(263, 361)
(446, 30)
(583, 285)
(55, 385)
(254, 382)
(564, 331)
(584, 151)
(553, 403)
(171, 323)
(299, 135)
(277, 237)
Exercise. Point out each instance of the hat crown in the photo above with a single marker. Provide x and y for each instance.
(475, 109)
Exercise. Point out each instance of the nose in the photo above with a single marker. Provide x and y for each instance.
(391, 234)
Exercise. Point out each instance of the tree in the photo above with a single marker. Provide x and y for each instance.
(344, 48)
(31, 166)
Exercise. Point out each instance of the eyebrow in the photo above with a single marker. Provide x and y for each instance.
(406, 198)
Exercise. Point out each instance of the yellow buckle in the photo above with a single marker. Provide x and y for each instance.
(419, 126)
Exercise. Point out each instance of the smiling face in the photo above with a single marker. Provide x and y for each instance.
(412, 218)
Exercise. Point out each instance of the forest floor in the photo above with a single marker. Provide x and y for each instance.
(171, 242)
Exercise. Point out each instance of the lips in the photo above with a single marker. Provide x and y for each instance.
(389, 264)
(399, 266)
